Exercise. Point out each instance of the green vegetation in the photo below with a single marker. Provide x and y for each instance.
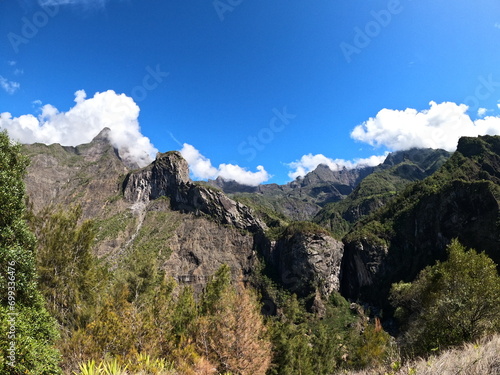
(156, 229)
(111, 227)
(449, 303)
(304, 227)
(476, 358)
(265, 208)
(343, 338)
(27, 331)
(378, 189)
(128, 317)
(68, 272)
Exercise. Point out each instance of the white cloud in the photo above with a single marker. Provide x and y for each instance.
(497, 25)
(11, 62)
(81, 123)
(481, 112)
(309, 162)
(10, 87)
(201, 168)
(438, 127)
(199, 165)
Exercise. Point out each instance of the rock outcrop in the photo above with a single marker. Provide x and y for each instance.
(168, 176)
(307, 262)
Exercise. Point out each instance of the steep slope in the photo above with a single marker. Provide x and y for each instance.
(374, 191)
(168, 176)
(336, 199)
(89, 174)
(461, 200)
(154, 212)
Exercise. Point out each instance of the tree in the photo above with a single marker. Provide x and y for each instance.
(27, 331)
(231, 331)
(293, 352)
(68, 272)
(452, 302)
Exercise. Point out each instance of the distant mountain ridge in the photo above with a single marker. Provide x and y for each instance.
(316, 193)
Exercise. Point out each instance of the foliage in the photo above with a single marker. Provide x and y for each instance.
(266, 208)
(230, 331)
(304, 227)
(478, 358)
(449, 303)
(26, 328)
(111, 227)
(69, 275)
(341, 339)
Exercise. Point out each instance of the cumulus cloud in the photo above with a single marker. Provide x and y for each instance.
(481, 112)
(440, 126)
(309, 162)
(201, 168)
(10, 87)
(81, 123)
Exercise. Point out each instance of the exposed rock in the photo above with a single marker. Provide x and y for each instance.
(168, 176)
(200, 246)
(307, 262)
(88, 174)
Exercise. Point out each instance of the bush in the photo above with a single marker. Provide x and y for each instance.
(449, 303)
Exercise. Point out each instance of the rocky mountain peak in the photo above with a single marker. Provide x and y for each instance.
(173, 165)
(103, 136)
(168, 176)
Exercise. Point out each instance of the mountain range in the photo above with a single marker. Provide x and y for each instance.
(350, 231)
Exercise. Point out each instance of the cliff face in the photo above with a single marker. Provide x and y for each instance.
(461, 200)
(197, 228)
(168, 176)
(308, 262)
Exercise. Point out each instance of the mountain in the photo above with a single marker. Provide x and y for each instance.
(460, 200)
(391, 222)
(386, 180)
(157, 231)
(302, 198)
(336, 199)
(157, 211)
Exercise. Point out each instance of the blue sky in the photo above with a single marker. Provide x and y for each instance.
(238, 84)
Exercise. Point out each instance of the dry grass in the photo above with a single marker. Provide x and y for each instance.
(482, 358)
